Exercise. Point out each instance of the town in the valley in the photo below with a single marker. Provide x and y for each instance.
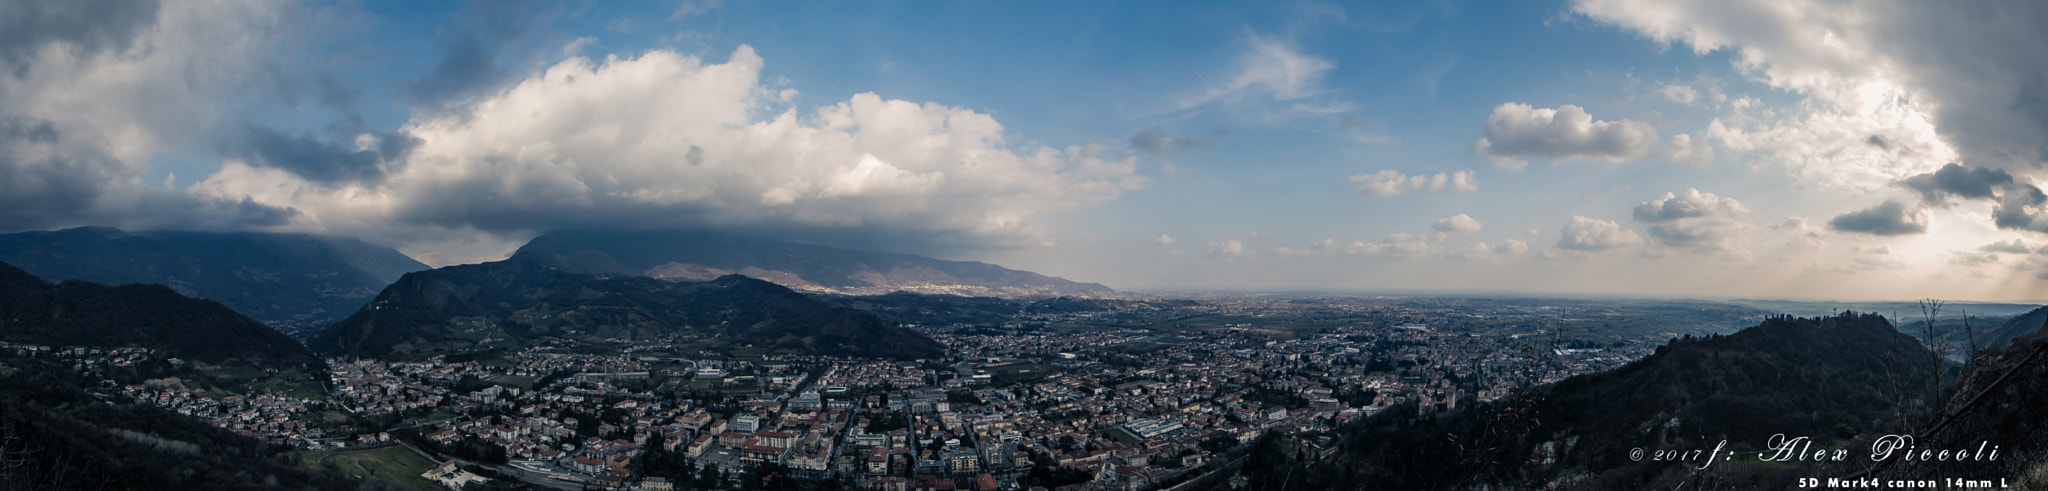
(1110, 399)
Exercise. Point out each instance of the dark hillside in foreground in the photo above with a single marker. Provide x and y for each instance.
(294, 282)
(2007, 417)
(77, 313)
(1833, 379)
(55, 436)
(2014, 328)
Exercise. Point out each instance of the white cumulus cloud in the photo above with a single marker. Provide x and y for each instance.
(1229, 247)
(665, 139)
(1681, 94)
(1519, 131)
(1696, 220)
(1688, 150)
(90, 94)
(1391, 182)
(1456, 223)
(1885, 92)
(1592, 234)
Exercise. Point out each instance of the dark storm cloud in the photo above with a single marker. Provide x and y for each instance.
(1956, 180)
(46, 182)
(1980, 62)
(2019, 208)
(456, 207)
(471, 48)
(695, 156)
(83, 26)
(2018, 205)
(1888, 218)
(39, 185)
(2031, 102)
(165, 210)
(15, 130)
(467, 67)
(331, 160)
(334, 94)
(1155, 141)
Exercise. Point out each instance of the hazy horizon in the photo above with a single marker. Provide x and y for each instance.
(1571, 147)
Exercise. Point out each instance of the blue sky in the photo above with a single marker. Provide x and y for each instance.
(1741, 149)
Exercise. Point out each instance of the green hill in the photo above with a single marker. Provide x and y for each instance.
(533, 297)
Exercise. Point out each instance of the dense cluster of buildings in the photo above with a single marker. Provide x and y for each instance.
(272, 417)
(1128, 407)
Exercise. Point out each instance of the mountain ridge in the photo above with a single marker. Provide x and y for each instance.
(533, 295)
(80, 313)
(2016, 328)
(701, 255)
(292, 282)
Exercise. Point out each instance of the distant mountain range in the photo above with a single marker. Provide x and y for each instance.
(78, 313)
(534, 296)
(293, 282)
(1905, 313)
(701, 255)
(2015, 328)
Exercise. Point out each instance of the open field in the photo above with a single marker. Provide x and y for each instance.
(393, 464)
